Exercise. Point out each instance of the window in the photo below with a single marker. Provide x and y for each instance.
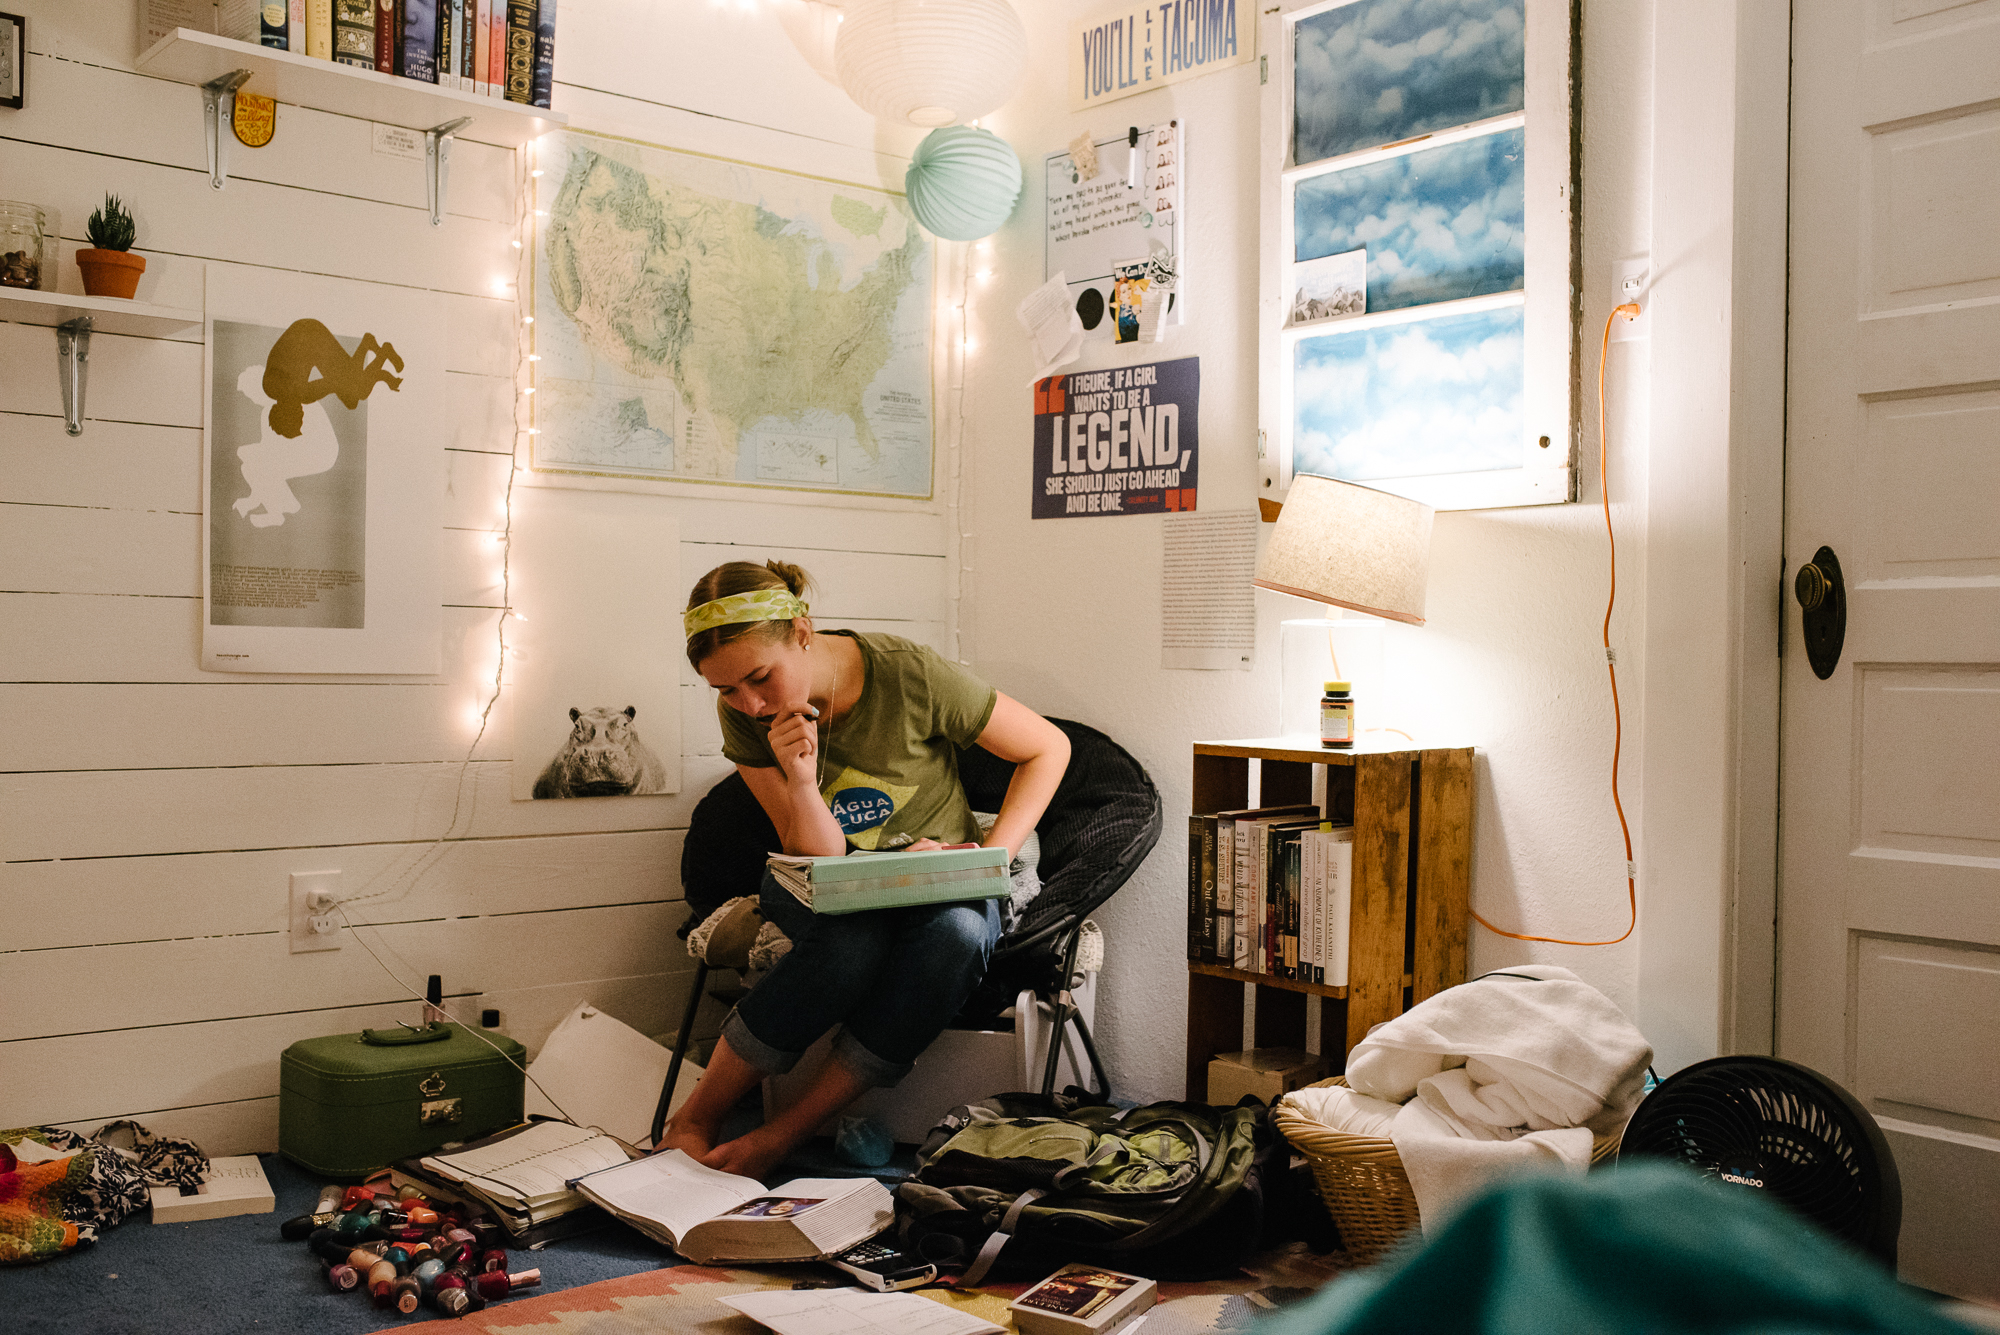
(1419, 305)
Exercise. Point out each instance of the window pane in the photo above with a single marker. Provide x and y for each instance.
(1380, 71)
(1441, 395)
(1438, 224)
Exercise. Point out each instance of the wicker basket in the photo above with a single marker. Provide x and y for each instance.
(1362, 1181)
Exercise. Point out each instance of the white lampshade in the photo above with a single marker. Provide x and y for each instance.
(930, 62)
(813, 25)
(1350, 546)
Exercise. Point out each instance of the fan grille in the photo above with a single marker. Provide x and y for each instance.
(1770, 1126)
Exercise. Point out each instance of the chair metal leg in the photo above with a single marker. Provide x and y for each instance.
(680, 1049)
(1098, 1075)
(1065, 1010)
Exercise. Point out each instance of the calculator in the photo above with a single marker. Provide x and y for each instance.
(882, 1265)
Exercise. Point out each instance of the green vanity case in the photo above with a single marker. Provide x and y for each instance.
(349, 1104)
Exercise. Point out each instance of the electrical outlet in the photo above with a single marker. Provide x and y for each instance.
(1632, 280)
(315, 925)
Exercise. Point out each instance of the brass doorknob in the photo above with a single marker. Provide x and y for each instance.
(1811, 586)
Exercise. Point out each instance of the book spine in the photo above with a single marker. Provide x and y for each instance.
(319, 29)
(447, 68)
(1309, 904)
(1274, 887)
(295, 27)
(468, 51)
(1225, 893)
(521, 16)
(1212, 946)
(496, 56)
(1293, 912)
(385, 36)
(354, 33)
(1339, 904)
(482, 45)
(274, 24)
(420, 40)
(545, 53)
(1194, 919)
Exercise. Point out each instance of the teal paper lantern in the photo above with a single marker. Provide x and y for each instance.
(963, 182)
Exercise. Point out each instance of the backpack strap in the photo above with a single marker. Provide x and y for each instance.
(999, 1238)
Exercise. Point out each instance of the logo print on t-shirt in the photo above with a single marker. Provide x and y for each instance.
(863, 804)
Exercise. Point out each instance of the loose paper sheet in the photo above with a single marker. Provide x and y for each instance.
(855, 1312)
(606, 1074)
(1054, 332)
(1208, 619)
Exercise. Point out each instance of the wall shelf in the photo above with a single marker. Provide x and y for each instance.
(74, 318)
(187, 56)
(107, 315)
(1412, 813)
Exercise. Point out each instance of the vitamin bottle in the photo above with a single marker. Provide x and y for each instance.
(1336, 715)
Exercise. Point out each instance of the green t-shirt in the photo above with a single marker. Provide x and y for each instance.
(890, 767)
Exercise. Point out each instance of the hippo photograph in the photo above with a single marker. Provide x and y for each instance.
(602, 757)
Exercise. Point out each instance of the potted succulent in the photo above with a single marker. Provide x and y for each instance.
(109, 270)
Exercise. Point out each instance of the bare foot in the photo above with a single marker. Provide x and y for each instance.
(752, 1154)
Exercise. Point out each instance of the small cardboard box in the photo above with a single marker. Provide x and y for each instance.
(1265, 1072)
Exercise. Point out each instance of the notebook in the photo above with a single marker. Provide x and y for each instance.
(524, 1175)
(862, 881)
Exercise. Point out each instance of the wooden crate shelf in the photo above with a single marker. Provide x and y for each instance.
(1412, 813)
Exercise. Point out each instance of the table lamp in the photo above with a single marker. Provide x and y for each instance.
(1349, 547)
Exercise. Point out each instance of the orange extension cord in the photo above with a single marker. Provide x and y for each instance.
(1630, 309)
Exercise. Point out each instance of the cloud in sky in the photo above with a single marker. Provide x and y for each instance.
(1434, 396)
(1438, 224)
(1378, 71)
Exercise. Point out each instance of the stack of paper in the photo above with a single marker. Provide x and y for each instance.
(524, 1176)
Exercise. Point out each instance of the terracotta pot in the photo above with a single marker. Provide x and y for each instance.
(110, 273)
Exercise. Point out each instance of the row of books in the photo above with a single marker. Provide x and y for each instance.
(1269, 891)
(490, 48)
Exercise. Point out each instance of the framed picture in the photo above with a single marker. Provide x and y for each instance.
(13, 61)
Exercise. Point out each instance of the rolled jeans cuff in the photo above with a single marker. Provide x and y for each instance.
(849, 1052)
(754, 1050)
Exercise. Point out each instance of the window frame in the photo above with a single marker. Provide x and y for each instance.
(1551, 294)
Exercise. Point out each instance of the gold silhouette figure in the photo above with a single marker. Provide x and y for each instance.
(308, 346)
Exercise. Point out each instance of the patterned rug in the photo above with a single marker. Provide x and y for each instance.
(684, 1299)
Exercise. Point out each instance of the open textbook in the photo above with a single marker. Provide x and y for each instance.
(708, 1215)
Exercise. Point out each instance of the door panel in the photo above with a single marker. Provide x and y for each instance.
(1889, 898)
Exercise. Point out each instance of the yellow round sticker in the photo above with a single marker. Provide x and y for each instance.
(255, 119)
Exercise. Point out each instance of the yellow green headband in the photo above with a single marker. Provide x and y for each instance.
(757, 605)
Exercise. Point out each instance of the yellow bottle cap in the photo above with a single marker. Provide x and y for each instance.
(1339, 686)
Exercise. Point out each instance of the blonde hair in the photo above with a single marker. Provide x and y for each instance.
(743, 577)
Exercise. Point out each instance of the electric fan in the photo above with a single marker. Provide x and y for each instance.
(1766, 1124)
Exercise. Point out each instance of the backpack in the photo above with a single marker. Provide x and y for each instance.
(1018, 1185)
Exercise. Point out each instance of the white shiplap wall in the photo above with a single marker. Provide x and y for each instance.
(150, 813)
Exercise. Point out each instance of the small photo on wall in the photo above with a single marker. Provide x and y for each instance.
(13, 61)
(1331, 287)
(594, 656)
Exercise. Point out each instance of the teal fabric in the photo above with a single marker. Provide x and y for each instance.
(1648, 1249)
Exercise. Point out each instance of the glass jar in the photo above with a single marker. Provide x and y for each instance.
(26, 238)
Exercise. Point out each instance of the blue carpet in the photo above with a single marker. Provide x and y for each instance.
(237, 1274)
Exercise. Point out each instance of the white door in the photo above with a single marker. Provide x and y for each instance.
(1889, 901)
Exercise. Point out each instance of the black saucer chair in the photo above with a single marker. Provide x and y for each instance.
(1103, 821)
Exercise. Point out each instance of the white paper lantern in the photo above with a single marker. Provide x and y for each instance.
(930, 62)
(813, 25)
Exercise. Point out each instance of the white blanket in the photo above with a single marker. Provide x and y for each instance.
(1511, 1072)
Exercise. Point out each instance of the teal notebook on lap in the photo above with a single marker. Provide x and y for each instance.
(863, 881)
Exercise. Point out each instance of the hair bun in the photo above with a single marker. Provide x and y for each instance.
(795, 579)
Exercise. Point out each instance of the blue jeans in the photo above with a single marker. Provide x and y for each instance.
(891, 978)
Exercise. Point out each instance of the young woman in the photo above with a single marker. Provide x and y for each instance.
(846, 738)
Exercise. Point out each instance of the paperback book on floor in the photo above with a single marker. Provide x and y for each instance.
(235, 1185)
(707, 1215)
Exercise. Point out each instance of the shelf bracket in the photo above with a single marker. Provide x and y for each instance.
(437, 163)
(73, 369)
(218, 115)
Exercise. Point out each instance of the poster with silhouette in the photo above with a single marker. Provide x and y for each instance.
(595, 663)
(324, 464)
